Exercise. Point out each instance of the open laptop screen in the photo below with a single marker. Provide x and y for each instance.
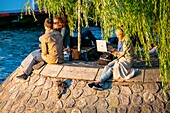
(101, 45)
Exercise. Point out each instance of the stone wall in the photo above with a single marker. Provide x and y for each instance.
(37, 94)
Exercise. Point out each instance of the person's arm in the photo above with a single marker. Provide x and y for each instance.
(63, 32)
(43, 46)
(126, 49)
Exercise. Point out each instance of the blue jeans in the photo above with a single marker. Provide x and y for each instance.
(107, 72)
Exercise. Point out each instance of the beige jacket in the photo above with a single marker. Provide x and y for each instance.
(52, 47)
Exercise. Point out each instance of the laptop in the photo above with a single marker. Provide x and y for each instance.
(102, 46)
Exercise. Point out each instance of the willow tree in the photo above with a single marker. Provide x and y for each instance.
(138, 17)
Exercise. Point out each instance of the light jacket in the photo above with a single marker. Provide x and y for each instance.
(52, 47)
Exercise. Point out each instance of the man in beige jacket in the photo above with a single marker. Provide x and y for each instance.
(51, 50)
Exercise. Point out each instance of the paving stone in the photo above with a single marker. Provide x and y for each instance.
(15, 81)
(135, 109)
(124, 99)
(115, 90)
(34, 79)
(48, 84)
(137, 88)
(9, 105)
(101, 104)
(37, 92)
(1, 93)
(148, 97)
(73, 84)
(100, 110)
(137, 99)
(89, 109)
(41, 81)
(59, 104)
(5, 111)
(163, 97)
(70, 103)
(146, 108)
(20, 96)
(83, 73)
(151, 87)
(75, 110)
(14, 94)
(6, 82)
(21, 109)
(51, 70)
(81, 103)
(103, 94)
(31, 88)
(125, 90)
(122, 109)
(81, 84)
(77, 93)
(15, 106)
(25, 85)
(44, 95)
(16, 87)
(158, 106)
(152, 75)
(40, 107)
(113, 110)
(8, 95)
(89, 91)
(32, 102)
(113, 101)
(91, 99)
(49, 105)
(26, 98)
(66, 95)
(60, 111)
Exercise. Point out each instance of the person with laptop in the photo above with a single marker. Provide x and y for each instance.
(122, 65)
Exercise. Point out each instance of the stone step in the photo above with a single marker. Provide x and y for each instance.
(93, 73)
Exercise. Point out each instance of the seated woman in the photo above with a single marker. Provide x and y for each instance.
(120, 67)
(51, 39)
(68, 41)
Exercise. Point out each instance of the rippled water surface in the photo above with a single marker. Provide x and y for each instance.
(16, 44)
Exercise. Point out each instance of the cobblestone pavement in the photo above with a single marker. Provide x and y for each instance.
(38, 95)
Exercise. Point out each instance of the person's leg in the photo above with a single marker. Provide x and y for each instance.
(88, 34)
(27, 64)
(107, 72)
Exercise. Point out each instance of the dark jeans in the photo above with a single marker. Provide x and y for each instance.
(84, 42)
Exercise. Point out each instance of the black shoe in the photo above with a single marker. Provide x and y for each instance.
(23, 76)
(98, 86)
(38, 65)
(91, 84)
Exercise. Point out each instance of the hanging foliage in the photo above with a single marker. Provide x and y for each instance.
(146, 19)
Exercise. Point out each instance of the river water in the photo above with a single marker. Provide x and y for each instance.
(17, 43)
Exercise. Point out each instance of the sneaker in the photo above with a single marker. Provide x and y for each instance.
(23, 76)
(98, 86)
(38, 65)
(91, 84)
(131, 74)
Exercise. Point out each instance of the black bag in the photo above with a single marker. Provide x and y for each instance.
(105, 58)
(91, 54)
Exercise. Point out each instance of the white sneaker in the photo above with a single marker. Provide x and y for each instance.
(131, 73)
